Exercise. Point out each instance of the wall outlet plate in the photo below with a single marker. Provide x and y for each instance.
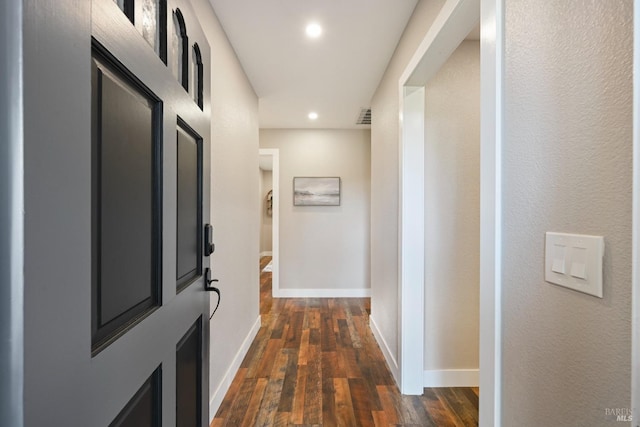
(574, 261)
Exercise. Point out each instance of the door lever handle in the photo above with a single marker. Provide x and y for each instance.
(207, 287)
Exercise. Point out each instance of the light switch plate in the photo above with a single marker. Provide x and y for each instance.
(574, 261)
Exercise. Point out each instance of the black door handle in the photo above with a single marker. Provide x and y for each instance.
(207, 287)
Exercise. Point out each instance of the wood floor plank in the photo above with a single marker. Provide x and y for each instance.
(380, 419)
(331, 367)
(344, 406)
(314, 336)
(289, 386)
(241, 403)
(327, 335)
(313, 392)
(282, 419)
(314, 318)
(266, 362)
(351, 363)
(279, 326)
(297, 412)
(361, 401)
(269, 407)
(463, 407)
(315, 362)
(227, 402)
(388, 404)
(408, 414)
(471, 396)
(437, 409)
(304, 347)
(328, 403)
(456, 409)
(253, 407)
(353, 333)
(421, 412)
(345, 335)
(295, 330)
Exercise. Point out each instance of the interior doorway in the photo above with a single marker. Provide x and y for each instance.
(455, 21)
(269, 164)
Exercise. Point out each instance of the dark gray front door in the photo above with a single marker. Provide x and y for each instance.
(116, 196)
(150, 202)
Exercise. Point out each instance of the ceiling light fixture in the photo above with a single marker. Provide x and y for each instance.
(313, 115)
(314, 30)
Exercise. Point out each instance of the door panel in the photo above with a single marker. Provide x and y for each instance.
(143, 410)
(125, 197)
(189, 208)
(189, 378)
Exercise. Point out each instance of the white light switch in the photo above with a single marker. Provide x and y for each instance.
(558, 265)
(559, 258)
(582, 254)
(579, 270)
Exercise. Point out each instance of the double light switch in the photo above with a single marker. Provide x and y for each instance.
(574, 261)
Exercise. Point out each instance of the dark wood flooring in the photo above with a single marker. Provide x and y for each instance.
(315, 362)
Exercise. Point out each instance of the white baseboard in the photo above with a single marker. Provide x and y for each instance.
(386, 352)
(321, 293)
(452, 378)
(266, 253)
(223, 387)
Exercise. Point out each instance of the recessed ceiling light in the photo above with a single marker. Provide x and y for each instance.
(314, 30)
(313, 115)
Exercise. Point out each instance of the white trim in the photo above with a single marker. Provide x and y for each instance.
(452, 378)
(392, 363)
(266, 253)
(412, 240)
(323, 293)
(275, 218)
(223, 387)
(491, 87)
(454, 22)
(635, 337)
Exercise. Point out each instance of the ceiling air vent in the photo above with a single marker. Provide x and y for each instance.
(365, 117)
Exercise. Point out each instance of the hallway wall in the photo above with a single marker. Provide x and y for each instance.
(452, 219)
(567, 151)
(384, 179)
(324, 250)
(234, 205)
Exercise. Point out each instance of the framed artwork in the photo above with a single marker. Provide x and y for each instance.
(316, 191)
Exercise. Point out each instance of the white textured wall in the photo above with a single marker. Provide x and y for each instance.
(384, 177)
(323, 247)
(452, 212)
(234, 198)
(567, 167)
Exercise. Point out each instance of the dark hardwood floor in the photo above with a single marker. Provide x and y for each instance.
(315, 362)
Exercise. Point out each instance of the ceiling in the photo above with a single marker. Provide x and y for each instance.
(334, 75)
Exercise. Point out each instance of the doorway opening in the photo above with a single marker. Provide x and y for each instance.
(455, 22)
(269, 164)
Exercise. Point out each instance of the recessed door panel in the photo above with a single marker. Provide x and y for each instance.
(126, 214)
(189, 377)
(189, 198)
(143, 410)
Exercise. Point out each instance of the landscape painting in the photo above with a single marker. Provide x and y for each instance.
(316, 191)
